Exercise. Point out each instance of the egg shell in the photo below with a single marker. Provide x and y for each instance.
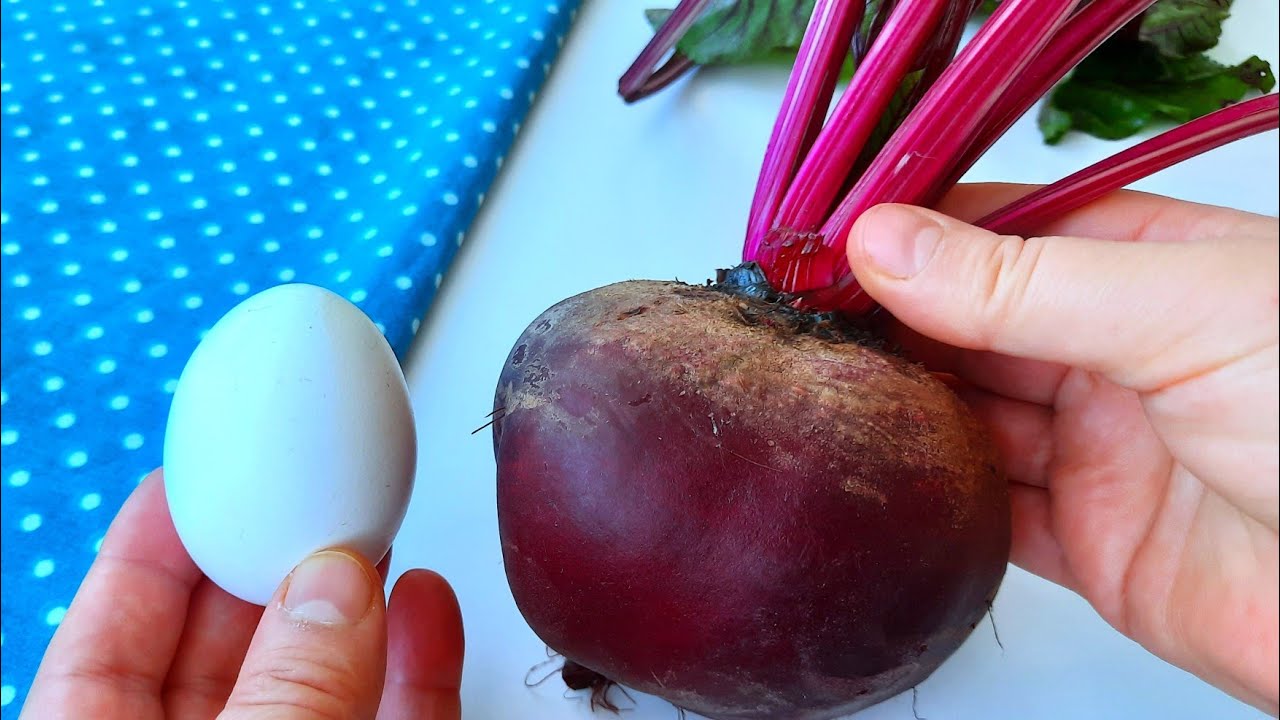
(290, 432)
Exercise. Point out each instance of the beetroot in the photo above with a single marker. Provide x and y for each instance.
(729, 496)
(747, 509)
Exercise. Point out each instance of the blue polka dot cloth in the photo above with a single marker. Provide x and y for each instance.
(164, 159)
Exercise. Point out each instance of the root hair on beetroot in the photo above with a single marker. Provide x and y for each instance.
(915, 697)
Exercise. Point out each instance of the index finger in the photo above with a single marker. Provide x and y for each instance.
(1126, 215)
(112, 651)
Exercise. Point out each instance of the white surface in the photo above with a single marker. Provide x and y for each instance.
(291, 430)
(598, 192)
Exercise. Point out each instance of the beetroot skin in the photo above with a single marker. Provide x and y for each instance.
(737, 507)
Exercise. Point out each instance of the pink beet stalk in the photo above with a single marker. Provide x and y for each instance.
(804, 106)
(641, 79)
(820, 177)
(1079, 36)
(915, 161)
(1146, 158)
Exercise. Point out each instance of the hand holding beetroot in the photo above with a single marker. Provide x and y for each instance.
(1132, 389)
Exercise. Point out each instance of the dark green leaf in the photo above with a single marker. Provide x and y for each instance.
(1178, 28)
(740, 31)
(1126, 86)
(1054, 123)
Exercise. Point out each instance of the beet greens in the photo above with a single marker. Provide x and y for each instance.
(916, 114)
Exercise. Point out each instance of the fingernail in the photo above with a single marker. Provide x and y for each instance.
(899, 241)
(329, 587)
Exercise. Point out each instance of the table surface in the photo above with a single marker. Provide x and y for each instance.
(596, 192)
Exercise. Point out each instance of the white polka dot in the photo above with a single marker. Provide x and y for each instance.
(359, 296)
(404, 282)
(132, 441)
(54, 383)
(119, 402)
(65, 420)
(77, 459)
(240, 288)
(144, 316)
(226, 258)
(18, 478)
(191, 302)
(287, 275)
(42, 347)
(30, 522)
(31, 313)
(90, 501)
(8, 436)
(93, 332)
(119, 255)
(54, 616)
(427, 239)
(132, 286)
(158, 350)
(43, 568)
(385, 251)
(170, 385)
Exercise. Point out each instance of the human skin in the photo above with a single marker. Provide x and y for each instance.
(1125, 359)
(148, 636)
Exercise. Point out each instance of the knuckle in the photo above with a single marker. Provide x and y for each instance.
(315, 687)
(1012, 271)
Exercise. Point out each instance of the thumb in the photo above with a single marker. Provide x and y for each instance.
(1143, 314)
(320, 650)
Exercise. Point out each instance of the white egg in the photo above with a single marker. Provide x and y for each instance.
(290, 432)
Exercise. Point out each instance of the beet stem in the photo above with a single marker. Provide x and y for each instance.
(827, 166)
(826, 43)
(634, 82)
(1079, 36)
(1169, 148)
(917, 159)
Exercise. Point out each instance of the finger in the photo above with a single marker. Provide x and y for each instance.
(1120, 309)
(1022, 433)
(1017, 378)
(113, 648)
(219, 629)
(1035, 547)
(384, 566)
(1126, 215)
(424, 631)
(320, 651)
